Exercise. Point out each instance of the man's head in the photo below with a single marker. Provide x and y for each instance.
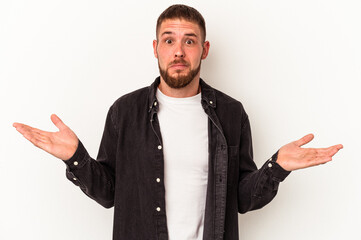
(179, 11)
(180, 45)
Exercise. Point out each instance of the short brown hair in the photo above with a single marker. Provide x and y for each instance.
(185, 12)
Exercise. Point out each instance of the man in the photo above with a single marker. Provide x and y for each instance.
(175, 159)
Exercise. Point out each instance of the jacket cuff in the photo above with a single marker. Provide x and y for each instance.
(79, 158)
(278, 173)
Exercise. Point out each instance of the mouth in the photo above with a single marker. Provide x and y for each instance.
(179, 66)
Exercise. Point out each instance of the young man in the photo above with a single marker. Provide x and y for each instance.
(175, 159)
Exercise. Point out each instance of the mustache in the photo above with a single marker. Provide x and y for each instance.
(179, 62)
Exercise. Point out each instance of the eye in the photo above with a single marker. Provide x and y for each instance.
(189, 41)
(168, 41)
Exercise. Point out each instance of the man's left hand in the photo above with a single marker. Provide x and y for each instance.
(292, 157)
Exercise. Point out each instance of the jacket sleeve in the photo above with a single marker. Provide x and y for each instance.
(257, 187)
(96, 177)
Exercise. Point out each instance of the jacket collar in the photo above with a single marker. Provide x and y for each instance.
(207, 94)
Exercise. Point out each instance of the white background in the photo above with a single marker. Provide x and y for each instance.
(295, 65)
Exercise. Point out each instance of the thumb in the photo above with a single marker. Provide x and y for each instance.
(306, 139)
(57, 122)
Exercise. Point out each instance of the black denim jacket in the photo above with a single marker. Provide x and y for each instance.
(129, 171)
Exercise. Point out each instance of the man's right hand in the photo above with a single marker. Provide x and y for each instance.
(61, 144)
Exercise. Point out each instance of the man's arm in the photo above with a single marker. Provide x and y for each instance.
(258, 187)
(95, 178)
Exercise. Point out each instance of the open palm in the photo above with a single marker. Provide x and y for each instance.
(61, 144)
(292, 157)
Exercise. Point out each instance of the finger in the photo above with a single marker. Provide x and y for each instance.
(37, 139)
(314, 157)
(306, 139)
(339, 146)
(15, 124)
(334, 149)
(41, 136)
(321, 155)
(22, 128)
(20, 125)
(57, 122)
(328, 149)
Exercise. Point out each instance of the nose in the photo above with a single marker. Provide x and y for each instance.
(179, 52)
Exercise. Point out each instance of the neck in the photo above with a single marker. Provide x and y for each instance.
(192, 89)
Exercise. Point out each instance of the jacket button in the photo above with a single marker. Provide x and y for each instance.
(158, 209)
(76, 163)
(159, 147)
(155, 103)
(158, 179)
(74, 179)
(210, 102)
(269, 164)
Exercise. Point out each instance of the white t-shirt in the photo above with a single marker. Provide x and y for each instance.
(184, 129)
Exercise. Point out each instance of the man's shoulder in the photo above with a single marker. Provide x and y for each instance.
(132, 105)
(133, 98)
(225, 100)
(228, 109)
(223, 97)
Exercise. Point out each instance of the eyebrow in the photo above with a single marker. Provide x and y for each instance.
(166, 33)
(191, 34)
(187, 34)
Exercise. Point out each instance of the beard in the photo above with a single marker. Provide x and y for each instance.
(181, 80)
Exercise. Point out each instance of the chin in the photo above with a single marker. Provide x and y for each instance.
(177, 75)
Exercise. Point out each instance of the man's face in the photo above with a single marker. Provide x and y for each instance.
(179, 48)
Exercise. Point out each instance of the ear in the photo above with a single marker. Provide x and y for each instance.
(206, 46)
(155, 44)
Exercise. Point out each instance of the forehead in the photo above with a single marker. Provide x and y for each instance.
(179, 25)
